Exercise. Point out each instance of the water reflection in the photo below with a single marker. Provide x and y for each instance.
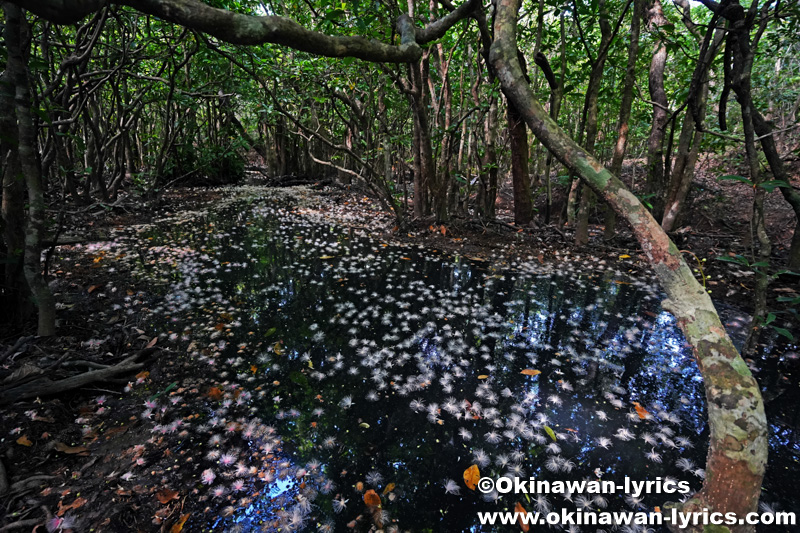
(346, 366)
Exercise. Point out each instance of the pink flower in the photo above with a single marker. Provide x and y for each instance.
(208, 476)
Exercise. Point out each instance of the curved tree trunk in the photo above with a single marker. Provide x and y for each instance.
(738, 444)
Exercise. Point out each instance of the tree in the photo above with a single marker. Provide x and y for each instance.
(738, 445)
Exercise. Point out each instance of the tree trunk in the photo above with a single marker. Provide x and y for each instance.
(518, 135)
(16, 33)
(655, 185)
(625, 109)
(738, 443)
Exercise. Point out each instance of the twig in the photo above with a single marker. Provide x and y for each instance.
(21, 523)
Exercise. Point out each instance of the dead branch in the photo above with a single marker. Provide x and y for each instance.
(47, 387)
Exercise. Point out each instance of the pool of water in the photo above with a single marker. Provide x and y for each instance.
(333, 369)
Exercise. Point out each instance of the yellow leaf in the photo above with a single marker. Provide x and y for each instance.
(624, 256)
(471, 477)
(327, 256)
(531, 372)
(277, 348)
(550, 432)
(483, 376)
(177, 527)
(389, 488)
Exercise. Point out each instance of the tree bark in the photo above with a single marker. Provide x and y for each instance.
(16, 39)
(625, 109)
(656, 185)
(738, 443)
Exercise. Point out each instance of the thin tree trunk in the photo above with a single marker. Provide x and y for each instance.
(625, 110)
(655, 185)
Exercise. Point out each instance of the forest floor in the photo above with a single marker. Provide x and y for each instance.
(63, 458)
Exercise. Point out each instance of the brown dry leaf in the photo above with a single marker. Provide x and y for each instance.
(77, 504)
(144, 374)
(152, 342)
(215, 393)
(372, 499)
(166, 495)
(177, 527)
(471, 477)
(71, 450)
(531, 372)
(24, 441)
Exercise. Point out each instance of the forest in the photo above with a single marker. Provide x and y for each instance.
(335, 265)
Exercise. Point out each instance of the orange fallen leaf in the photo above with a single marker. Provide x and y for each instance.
(372, 499)
(471, 477)
(520, 510)
(24, 441)
(215, 393)
(166, 495)
(253, 369)
(177, 527)
(389, 488)
(641, 411)
(531, 372)
(483, 376)
(144, 374)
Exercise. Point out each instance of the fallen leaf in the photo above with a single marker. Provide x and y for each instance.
(78, 503)
(24, 441)
(471, 477)
(177, 527)
(71, 450)
(483, 376)
(152, 342)
(641, 411)
(520, 510)
(144, 374)
(389, 488)
(166, 495)
(531, 372)
(215, 393)
(372, 499)
(624, 256)
(550, 432)
(277, 348)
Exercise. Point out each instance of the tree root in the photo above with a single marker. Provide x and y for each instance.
(47, 387)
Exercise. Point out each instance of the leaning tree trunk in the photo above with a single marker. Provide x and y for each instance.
(738, 442)
(26, 149)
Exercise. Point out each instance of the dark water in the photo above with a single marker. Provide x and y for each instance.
(337, 364)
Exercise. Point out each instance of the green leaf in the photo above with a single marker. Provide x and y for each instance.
(734, 177)
(786, 333)
(770, 318)
(550, 432)
(771, 185)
